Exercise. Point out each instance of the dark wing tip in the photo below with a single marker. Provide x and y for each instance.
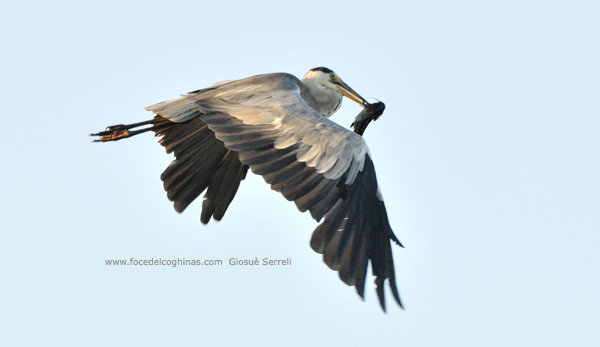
(202, 163)
(356, 231)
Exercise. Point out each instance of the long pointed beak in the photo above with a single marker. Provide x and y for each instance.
(350, 93)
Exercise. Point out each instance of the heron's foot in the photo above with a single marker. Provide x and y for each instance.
(112, 133)
(120, 131)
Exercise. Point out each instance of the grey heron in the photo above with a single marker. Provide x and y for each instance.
(278, 126)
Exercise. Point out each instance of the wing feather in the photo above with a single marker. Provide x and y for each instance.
(321, 166)
(263, 123)
(201, 161)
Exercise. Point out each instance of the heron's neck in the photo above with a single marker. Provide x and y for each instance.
(324, 100)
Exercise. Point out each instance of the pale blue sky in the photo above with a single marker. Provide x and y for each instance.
(487, 156)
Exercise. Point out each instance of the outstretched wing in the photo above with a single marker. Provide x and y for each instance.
(321, 166)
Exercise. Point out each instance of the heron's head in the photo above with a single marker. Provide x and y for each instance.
(327, 79)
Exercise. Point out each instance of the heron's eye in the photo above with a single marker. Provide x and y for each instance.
(332, 76)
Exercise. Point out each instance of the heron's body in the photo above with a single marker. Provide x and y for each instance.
(277, 125)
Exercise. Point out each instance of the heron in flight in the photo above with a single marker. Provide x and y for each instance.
(278, 126)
